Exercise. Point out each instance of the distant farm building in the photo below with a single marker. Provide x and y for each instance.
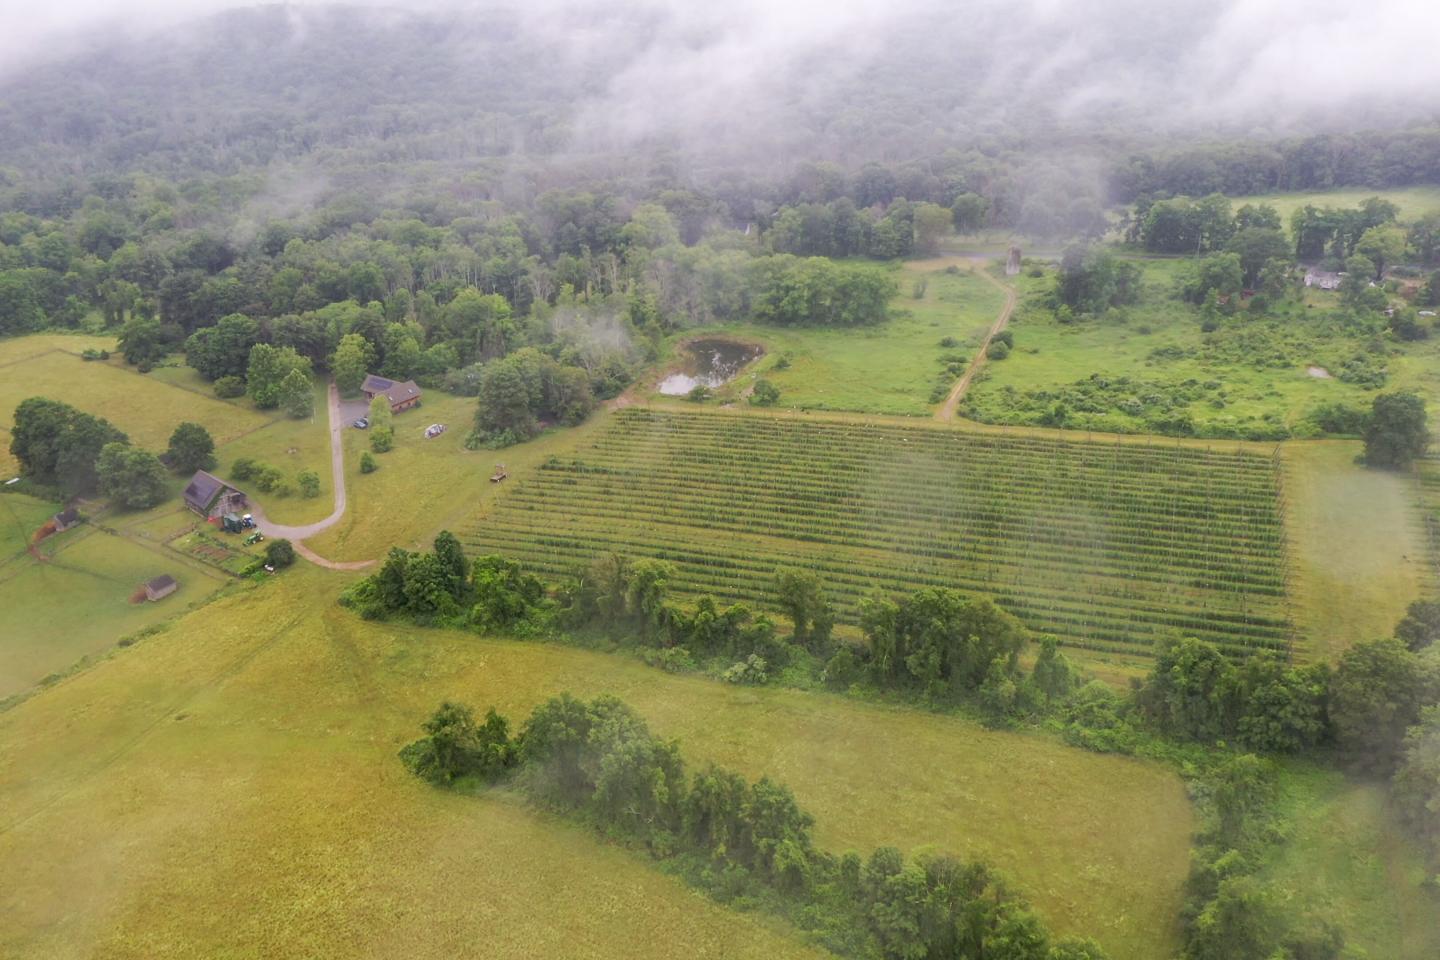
(210, 496)
(402, 396)
(160, 588)
(1324, 279)
(66, 519)
(1012, 262)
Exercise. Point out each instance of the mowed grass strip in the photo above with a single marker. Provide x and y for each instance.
(234, 789)
(1360, 546)
(1108, 546)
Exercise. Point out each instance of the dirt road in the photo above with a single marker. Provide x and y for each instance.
(947, 409)
(337, 480)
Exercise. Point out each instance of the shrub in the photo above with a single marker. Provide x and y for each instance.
(949, 342)
(279, 553)
(309, 483)
(752, 670)
(997, 350)
(244, 468)
(382, 439)
(367, 463)
(765, 394)
(268, 478)
(698, 394)
(228, 388)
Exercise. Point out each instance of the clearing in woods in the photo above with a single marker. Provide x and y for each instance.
(1107, 545)
(894, 367)
(242, 763)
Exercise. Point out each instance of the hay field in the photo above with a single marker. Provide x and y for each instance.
(230, 787)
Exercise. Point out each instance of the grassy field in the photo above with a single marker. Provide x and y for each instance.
(889, 368)
(1413, 201)
(1358, 547)
(148, 407)
(1108, 546)
(419, 483)
(76, 601)
(233, 791)
(1349, 862)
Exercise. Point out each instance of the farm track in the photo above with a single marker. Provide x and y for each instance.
(1106, 545)
(962, 386)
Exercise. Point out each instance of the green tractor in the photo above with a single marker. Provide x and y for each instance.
(254, 538)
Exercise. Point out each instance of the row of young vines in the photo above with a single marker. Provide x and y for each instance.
(1105, 545)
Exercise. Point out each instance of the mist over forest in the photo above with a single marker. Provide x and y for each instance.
(1010, 100)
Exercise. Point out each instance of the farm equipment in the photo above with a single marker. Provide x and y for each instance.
(247, 521)
(499, 473)
(254, 538)
(231, 523)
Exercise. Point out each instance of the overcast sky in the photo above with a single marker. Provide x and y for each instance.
(1228, 55)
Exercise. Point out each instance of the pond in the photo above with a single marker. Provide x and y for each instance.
(709, 363)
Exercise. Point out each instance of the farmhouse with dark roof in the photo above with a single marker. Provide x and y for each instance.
(210, 496)
(402, 395)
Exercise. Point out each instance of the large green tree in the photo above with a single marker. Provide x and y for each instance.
(191, 448)
(132, 478)
(352, 359)
(1397, 430)
(297, 396)
(1376, 695)
(58, 445)
(224, 349)
(267, 370)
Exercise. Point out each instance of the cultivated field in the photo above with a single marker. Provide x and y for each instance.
(1108, 546)
(233, 790)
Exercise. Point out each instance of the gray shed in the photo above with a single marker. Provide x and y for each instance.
(160, 588)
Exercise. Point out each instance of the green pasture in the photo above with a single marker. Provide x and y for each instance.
(888, 368)
(75, 601)
(1346, 860)
(242, 764)
(1357, 545)
(147, 410)
(1413, 202)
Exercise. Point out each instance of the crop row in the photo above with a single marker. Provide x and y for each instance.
(1118, 556)
(1105, 545)
(1080, 620)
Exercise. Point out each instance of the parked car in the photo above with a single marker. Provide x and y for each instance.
(434, 430)
(362, 423)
